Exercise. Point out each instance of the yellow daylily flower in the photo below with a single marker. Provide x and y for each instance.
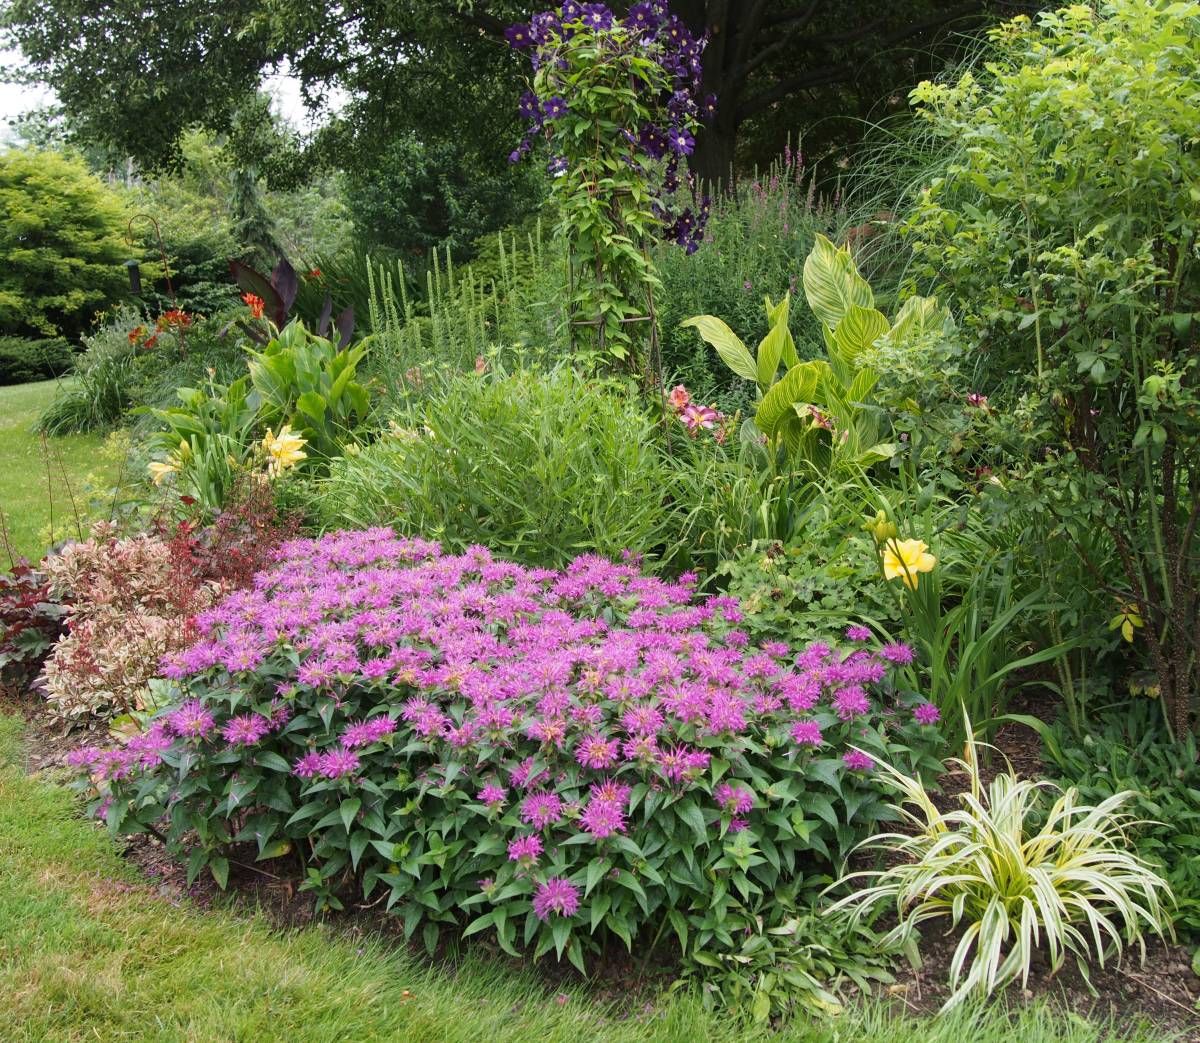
(160, 469)
(906, 559)
(1127, 619)
(284, 450)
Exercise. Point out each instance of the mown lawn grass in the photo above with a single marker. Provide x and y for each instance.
(90, 951)
(38, 480)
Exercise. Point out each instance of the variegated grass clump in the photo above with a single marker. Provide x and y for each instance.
(1019, 876)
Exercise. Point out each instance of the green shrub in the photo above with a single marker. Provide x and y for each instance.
(61, 244)
(541, 467)
(1128, 749)
(105, 375)
(24, 360)
(1064, 223)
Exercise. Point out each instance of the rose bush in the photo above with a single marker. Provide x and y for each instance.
(557, 757)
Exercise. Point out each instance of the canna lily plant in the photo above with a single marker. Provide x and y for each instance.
(1018, 877)
(819, 411)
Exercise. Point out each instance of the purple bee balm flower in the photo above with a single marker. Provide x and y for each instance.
(492, 795)
(733, 798)
(363, 733)
(927, 713)
(855, 632)
(519, 36)
(602, 818)
(191, 720)
(778, 649)
(596, 17)
(851, 702)
(308, 766)
(596, 752)
(87, 757)
(897, 652)
(556, 895)
(525, 850)
(541, 809)
(806, 733)
(338, 763)
(856, 760)
(245, 729)
(554, 107)
(736, 825)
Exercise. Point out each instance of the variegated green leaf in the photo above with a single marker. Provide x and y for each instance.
(726, 343)
(798, 384)
(858, 331)
(832, 283)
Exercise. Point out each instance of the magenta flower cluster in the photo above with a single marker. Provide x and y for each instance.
(549, 720)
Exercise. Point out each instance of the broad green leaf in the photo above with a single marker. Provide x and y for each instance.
(348, 810)
(916, 316)
(858, 331)
(312, 405)
(770, 351)
(778, 314)
(726, 344)
(832, 283)
(797, 385)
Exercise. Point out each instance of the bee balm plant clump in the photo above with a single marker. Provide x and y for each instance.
(556, 757)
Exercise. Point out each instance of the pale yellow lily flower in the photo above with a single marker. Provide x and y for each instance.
(284, 450)
(160, 469)
(906, 559)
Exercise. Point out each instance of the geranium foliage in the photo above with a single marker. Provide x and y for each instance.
(556, 757)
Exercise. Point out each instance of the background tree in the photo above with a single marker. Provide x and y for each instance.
(134, 73)
(61, 244)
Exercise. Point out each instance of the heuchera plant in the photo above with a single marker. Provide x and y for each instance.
(554, 756)
(617, 102)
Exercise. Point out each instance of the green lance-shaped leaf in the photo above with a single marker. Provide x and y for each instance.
(832, 283)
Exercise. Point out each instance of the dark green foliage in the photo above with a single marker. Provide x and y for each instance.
(415, 196)
(23, 360)
(1129, 748)
(61, 244)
